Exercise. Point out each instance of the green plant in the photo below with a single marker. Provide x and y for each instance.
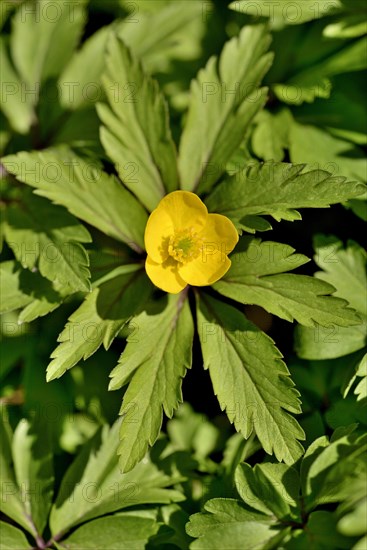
(91, 144)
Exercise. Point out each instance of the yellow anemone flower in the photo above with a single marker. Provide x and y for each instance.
(186, 244)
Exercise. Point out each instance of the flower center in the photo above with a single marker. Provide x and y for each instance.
(185, 245)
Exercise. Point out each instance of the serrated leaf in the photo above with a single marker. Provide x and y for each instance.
(15, 104)
(47, 237)
(224, 99)
(254, 257)
(227, 524)
(249, 378)
(94, 486)
(291, 297)
(99, 319)
(125, 531)
(43, 38)
(33, 466)
(277, 189)
(286, 13)
(86, 191)
(21, 288)
(155, 360)
(136, 133)
(12, 538)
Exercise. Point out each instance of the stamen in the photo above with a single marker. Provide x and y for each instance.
(185, 245)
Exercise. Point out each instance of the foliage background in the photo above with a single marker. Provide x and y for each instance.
(60, 475)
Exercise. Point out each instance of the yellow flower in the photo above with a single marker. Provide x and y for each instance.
(185, 244)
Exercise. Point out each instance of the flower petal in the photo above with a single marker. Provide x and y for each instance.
(157, 232)
(185, 210)
(219, 234)
(205, 270)
(164, 275)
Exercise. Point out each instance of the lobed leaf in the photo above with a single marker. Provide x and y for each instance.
(86, 191)
(154, 362)
(224, 99)
(47, 237)
(277, 189)
(99, 319)
(20, 288)
(135, 132)
(249, 378)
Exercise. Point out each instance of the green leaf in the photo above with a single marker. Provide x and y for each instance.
(11, 502)
(170, 33)
(192, 431)
(107, 263)
(342, 116)
(249, 378)
(354, 523)
(346, 26)
(47, 237)
(285, 12)
(314, 81)
(12, 538)
(125, 531)
(277, 189)
(79, 83)
(86, 191)
(291, 297)
(328, 469)
(21, 288)
(224, 99)
(227, 524)
(270, 489)
(254, 257)
(320, 533)
(358, 207)
(33, 466)
(330, 341)
(99, 319)
(176, 518)
(345, 269)
(154, 362)
(361, 372)
(15, 103)
(322, 150)
(270, 137)
(255, 277)
(43, 38)
(136, 133)
(94, 486)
